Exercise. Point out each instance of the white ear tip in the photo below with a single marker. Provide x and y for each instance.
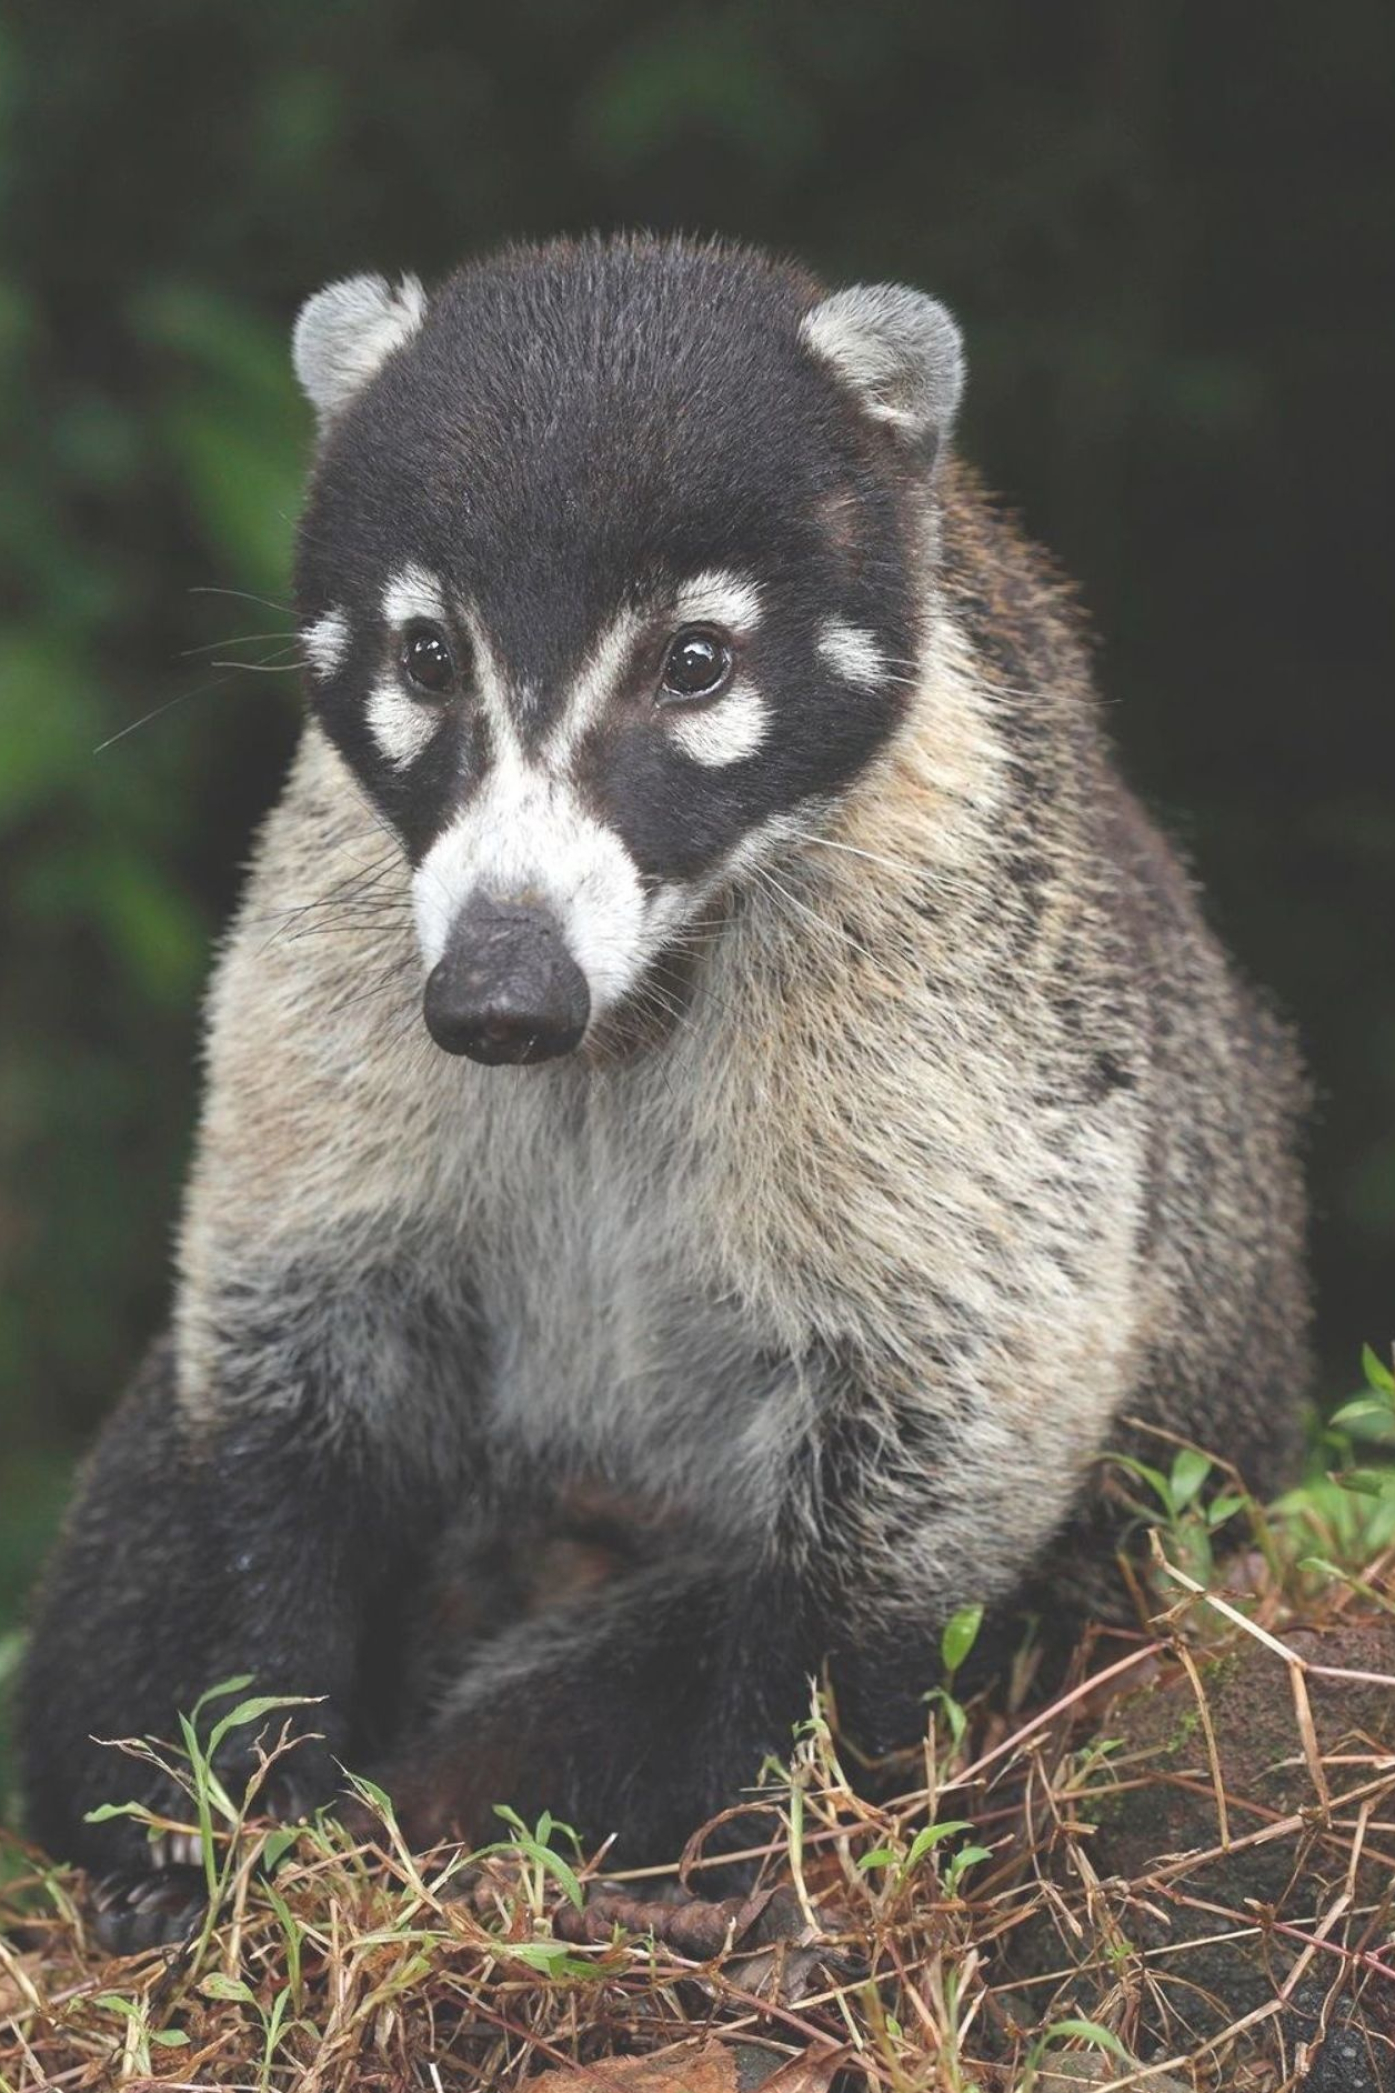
(345, 332)
(900, 351)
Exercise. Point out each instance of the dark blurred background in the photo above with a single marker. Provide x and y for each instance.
(1168, 230)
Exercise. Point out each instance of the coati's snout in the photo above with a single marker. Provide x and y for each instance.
(506, 989)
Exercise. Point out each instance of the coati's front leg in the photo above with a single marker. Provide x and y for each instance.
(261, 1536)
(641, 1709)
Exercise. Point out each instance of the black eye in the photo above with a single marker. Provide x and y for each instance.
(698, 664)
(427, 660)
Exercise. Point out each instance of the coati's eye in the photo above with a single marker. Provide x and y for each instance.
(427, 660)
(698, 664)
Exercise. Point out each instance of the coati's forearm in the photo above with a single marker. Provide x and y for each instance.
(261, 1546)
(639, 1711)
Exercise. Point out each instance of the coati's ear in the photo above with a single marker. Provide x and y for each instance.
(899, 352)
(346, 331)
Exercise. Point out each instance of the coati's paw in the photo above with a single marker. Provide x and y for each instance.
(139, 1908)
(160, 1898)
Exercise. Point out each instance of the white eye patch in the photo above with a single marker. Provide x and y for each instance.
(326, 643)
(724, 731)
(400, 725)
(852, 653)
(733, 726)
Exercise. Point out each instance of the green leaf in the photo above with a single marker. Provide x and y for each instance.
(1366, 1482)
(1321, 1564)
(879, 1857)
(279, 2007)
(555, 1865)
(217, 1986)
(169, 2038)
(931, 1835)
(220, 1692)
(1222, 1508)
(1087, 2031)
(1377, 1372)
(278, 1845)
(1189, 1472)
(292, 1935)
(954, 1715)
(1365, 1411)
(112, 2002)
(960, 1635)
(553, 1957)
(371, 1792)
(967, 1857)
(190, 1735)
(251, 1711)
(533, 1845)
(1155, 1479)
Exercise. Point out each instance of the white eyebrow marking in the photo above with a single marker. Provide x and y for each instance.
(326, 642)
(587, 698)
(724, 732)
(413, 593)
(400, 725)
(493, 691)
(720, 598)
(852, 652)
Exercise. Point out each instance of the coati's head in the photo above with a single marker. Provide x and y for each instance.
(610, 579)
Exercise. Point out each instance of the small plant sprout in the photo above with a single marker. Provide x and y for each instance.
(1341, 1517)
(1369, 1415)
(1181, 1508)
(138, 2037)
(1087, 2031)
(536, 1848)
(957, 1639)
(274, 2019)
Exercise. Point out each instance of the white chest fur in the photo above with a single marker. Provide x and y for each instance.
(612, 1351)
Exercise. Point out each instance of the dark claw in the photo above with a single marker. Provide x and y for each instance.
(140, 1908)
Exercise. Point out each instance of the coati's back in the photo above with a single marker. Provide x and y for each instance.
(1113, 929)
(709, 1030)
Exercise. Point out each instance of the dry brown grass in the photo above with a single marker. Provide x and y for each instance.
(867, 1957)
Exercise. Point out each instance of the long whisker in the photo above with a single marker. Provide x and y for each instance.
(823, 924)
(274, 665)
(872, 857)
(200, 690)
(392, 981)
(238, 639)
(243, 595)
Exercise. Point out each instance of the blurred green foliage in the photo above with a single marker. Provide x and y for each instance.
(1166, 229)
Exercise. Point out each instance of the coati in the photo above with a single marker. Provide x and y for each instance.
(707, 1026)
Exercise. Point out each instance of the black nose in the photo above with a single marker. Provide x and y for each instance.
(507, 989)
